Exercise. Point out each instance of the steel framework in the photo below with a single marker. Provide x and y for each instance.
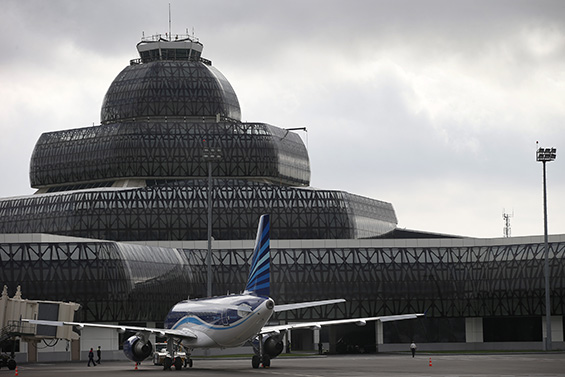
(178, 211)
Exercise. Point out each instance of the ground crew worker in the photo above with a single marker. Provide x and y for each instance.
(91, 357)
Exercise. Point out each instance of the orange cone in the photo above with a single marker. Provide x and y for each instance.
(430, 361)
(135, 366)
(17, 371)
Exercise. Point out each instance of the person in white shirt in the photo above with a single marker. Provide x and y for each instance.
(413, 348)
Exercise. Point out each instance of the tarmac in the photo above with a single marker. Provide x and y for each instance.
(397, 365)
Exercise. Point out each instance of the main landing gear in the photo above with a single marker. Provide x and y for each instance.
(256, 361)
(179, 358)
(262, 357)
(178, 362)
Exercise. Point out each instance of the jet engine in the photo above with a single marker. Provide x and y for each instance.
(137, 349)
(273, 346)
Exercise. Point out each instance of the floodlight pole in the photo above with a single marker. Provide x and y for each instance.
(546, 267)
(210, 154)
(209, 254)
(544, 155)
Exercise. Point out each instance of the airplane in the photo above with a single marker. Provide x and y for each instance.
(226, 321)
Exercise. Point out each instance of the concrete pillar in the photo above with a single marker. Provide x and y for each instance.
(316, 336)
(316, 339)
(288, 343)
(556, 328)
(379, 339)
(333, 339)
(32, 351)
(474, 330)
(75, 350)
(3, 306)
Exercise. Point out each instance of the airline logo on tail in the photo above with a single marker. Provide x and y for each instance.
(258, 281)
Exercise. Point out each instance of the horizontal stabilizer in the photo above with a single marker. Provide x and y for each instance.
(300, 305)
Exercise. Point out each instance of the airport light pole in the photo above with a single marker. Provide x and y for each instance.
(544, 155)
(209, 155)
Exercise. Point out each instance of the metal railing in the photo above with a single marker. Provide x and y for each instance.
(169, 38)
(140, 61)
(16, 328)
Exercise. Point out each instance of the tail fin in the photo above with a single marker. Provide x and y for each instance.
(258, 281)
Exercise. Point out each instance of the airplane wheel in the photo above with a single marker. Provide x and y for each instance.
(190, 363)
(255, 361)
(266, 361)
(167, 363)
(12, 364)
(178, 363)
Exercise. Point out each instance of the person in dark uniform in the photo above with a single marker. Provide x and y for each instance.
(91, 357)
(99, 354)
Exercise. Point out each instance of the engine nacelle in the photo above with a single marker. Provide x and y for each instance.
(137, 349)
(273, 346)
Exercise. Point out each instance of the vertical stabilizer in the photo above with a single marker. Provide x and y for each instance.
(258, 281)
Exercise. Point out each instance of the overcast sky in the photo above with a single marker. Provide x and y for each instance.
(434, 106)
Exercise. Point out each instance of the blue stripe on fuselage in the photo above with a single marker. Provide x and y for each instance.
(197, 321)
(194, 319)
(219, 312)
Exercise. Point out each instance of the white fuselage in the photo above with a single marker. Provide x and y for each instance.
(223, 322)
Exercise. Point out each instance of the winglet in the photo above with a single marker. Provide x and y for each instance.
(258, 281)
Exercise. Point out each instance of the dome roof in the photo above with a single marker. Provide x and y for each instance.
(169, 88)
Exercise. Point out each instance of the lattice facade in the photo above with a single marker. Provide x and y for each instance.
(178, 211)
(479, 281)
(169, 89)
(111, 281)
(118, 282)
(153, 150)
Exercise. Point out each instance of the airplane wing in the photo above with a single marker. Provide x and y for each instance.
(318, 324)
(182, 334)
(300, 305)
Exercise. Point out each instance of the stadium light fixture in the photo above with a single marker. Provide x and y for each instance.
(544, 155)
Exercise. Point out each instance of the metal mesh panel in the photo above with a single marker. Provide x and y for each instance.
(169, 150)
(454, 282)
(169, 89)
(108, 283)
(178, 211)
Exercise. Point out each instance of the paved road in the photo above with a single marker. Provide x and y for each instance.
(396, 365)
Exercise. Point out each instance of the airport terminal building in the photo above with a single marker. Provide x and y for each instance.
(119, 224)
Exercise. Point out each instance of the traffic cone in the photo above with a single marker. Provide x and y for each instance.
(135, 366)
(17, 371)
(430, 361)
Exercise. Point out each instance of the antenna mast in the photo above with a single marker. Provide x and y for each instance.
(170, 35)
(507, 228)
